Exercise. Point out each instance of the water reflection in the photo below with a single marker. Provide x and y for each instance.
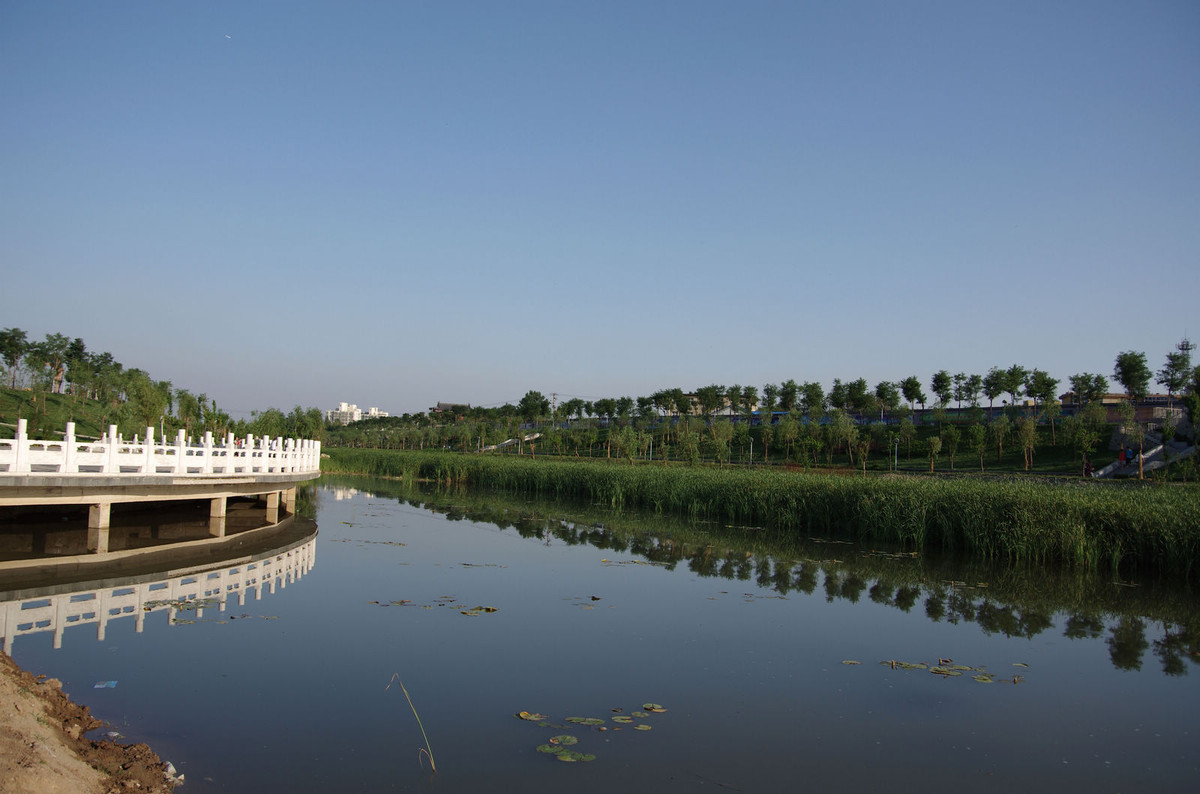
(1014, 602)
(192, 589)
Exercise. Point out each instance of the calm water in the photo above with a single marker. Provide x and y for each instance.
(741, 636)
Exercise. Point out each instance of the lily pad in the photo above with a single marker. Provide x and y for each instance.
(531, 716)
(642, 727)
(850, 661)
(550, 749)
(571, 757)
(984, 678)
(622, 719)
(944, 671)
(641, 713)
(586, 720)
(654, 707)
(564, 739)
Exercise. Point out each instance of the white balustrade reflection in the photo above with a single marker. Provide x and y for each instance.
(99, 606)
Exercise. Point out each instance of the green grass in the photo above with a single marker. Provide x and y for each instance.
(1126, 526)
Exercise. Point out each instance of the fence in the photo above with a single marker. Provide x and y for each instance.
(113, 455)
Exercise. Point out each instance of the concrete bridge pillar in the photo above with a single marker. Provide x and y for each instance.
(273, 507)
(289, 501)
(216, 517)
(99, 516)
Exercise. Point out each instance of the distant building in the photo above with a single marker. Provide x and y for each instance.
(346, 413)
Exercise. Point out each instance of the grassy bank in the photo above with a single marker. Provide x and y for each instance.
(1128, 528)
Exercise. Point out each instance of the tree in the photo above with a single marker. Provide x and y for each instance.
(1041, 387)
(1088, 387)
(533, 406)
(935, 447)
(1027, 438)
(950, 439)
(993, 386)
(910, 387)
(749, 401)
(908, 432)
(789, 392)
(971, 390)
(839, 395)
(711, 399)
(787, 430)
(1014, 382)
(979, 442)
(887, 395)
(625, 409)
(1001, 427)
(960, 391)
(13, 344)
(770, 397)
(812, 400)
(862, 401)
(1192, 403)
(1175, 373)
(1132, 372)
(941, 386)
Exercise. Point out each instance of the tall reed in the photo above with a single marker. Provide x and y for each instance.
(1126, 527)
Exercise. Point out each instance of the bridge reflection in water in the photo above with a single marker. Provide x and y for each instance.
(206, 584)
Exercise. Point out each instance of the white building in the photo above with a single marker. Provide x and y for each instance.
(346, 413)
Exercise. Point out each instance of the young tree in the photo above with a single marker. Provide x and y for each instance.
(1041, 387)
(908, 432)
(789, 393)
(910, 387)
(1175, 373)
(1132, 372)
(888, 397)
(1014, 382)
(711, 399)
(993, 386)
(787, 431)
(942, 386)
(935, 447)
(1001, 427)
(1088, 387)
(960, 391)
(979, 442)
(812, 400)
(749, 401)
(1027, 438)
(534, 406)
(839, 395)
(950, 439)
(971, 389)
(770, 397)
(862, 401)
(13, 344)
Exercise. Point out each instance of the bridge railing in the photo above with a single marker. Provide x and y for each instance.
(114, 455)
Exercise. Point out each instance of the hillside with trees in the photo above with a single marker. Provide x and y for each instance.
(57, 380)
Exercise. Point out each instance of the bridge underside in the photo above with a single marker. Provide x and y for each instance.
(20, 494)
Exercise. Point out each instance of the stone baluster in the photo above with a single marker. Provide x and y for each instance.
(69, 452)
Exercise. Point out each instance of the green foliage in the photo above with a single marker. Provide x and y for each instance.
(1132, 372)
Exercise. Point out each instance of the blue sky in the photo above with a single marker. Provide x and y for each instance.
(394, 203)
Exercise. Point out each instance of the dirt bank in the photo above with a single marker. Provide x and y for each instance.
(43, 749)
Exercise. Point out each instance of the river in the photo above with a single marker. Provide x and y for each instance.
(718, 658)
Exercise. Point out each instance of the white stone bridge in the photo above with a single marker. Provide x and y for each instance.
(112, 470)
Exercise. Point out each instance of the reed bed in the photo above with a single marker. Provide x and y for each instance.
(1128, 528)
